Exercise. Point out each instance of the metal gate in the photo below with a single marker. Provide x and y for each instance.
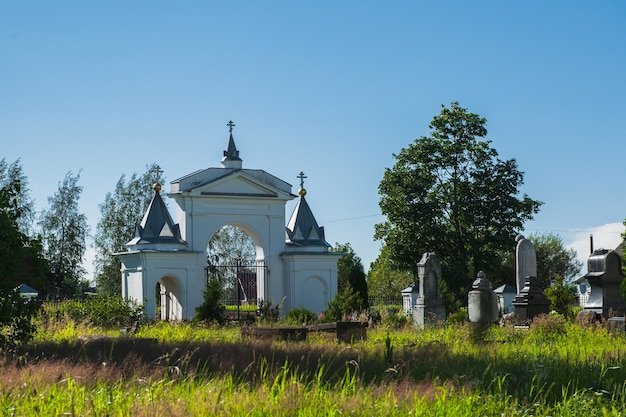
(239, 283)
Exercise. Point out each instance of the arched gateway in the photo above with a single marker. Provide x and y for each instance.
(165, 266)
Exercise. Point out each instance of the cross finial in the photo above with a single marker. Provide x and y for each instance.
(157, 185)
(302, 177)
(157, 170)
(230, 126)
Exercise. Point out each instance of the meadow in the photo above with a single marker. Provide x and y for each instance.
(555, 368)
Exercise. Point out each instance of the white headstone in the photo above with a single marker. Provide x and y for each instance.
(525, 261)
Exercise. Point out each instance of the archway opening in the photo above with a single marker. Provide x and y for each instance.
(168, 305)
(236, 261)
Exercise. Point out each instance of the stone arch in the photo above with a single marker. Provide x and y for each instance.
(314, 293)
(258, 238)
(170, 299)
(252, 279)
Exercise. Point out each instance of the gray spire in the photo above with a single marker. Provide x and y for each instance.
(157, 226)
(302, 229)
(231, 154)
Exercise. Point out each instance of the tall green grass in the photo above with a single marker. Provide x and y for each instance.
(554, 368)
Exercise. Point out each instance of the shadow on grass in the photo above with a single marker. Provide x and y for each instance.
(527, 379)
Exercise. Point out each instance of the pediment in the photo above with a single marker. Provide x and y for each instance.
(238, 184)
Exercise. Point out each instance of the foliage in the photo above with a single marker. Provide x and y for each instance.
(211, 310)
(393, 317)
(553, 259)
(384, 280)
(230, 253)
(345, 304)
(267, 312)
(120, 212)
(21, 262)
(105, 312)
(449, 193)
(22, 205)
(300, 316)
(21, 255)
(459, 316)
(561, 295)
(553, 368)
(548, 326)
(350, 272)
(16, 318)
(64, 234)
(229, 245)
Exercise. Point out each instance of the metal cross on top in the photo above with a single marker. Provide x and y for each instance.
(230, 125)
(302, 177)
(158, 170)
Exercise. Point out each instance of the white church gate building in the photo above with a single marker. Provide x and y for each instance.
(168, 259)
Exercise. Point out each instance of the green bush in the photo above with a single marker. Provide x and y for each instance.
(300, 317)
(393, 317)
(267, 312)
(107, 312)
(344, 304)
(16, 314)
(211, 310)
(561, 295)
(548, 326)
(458, 317)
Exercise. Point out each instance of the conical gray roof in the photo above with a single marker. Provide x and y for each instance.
(157, 225)
(231, 157)
(302, 229)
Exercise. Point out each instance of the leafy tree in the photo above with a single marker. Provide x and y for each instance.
(553, 260)
(449, 193)
(230, 246)
(561, 294)
(22, 203)
(64, 235)
(120, 212)
(346, 302)
(22, 262)
(384, 281)
(211, 309)
(350, 272)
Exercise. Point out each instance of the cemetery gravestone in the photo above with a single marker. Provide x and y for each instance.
(605, 277)
(429, 307)
(525, 261)
(482, 302)
(530, 302)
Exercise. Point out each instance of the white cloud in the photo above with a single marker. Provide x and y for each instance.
(607, 236)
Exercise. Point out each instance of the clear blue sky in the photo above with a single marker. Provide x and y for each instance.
(331, 88)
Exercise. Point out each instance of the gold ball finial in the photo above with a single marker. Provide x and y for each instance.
(156, 187)
(301, 192)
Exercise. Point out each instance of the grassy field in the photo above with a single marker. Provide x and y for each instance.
(555, 368)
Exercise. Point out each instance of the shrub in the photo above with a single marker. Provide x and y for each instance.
(300, 316)
(344, 304)
(211, 310)
(459, 317)
(561, 296)
(107, 312)
(549, 325)
(268, 313)
(394, 318)
(16, 314)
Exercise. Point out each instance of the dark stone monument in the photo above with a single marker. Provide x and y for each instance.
(605, 277)
(530, 302)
